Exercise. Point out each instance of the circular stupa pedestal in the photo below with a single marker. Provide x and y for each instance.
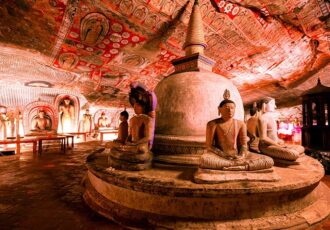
(168, 198)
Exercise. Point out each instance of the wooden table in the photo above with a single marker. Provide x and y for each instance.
(102, 132)
(68, 136)
(18, 142)
(78, 134)
(52, 138)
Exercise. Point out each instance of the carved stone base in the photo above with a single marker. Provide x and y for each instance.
(178, 159)
(178, 150)
(128, 157)
(168, 198)
(208, 176)
(130, 166)
(131, 157)
(281, 162)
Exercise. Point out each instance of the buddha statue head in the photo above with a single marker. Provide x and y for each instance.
(253, 109)
(267, 104)
(66, 100)
(139, 94)
(227, 107)
(41, 113)
(138, 108)
(123, 116)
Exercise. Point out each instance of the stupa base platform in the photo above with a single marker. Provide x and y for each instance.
(208, 176)
(130, 166)
(178, 150)
(168, 198)
(178, 159)
(281, 162)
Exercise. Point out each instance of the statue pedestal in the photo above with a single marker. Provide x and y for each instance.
(166, 197)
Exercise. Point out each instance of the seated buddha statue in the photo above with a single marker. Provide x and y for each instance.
(123, 127)
(135, 153)
(226, 143)
(269, 143)
(41, 122)
(252, 129)
(102, 122)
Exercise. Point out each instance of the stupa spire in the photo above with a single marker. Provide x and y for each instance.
(195, 42)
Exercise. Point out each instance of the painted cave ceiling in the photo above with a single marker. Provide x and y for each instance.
(97, 47)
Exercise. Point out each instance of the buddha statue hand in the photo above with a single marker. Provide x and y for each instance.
(119, 141)
(231, 154)
(143, 148)
(220, 153)
(237, 168)
(243, 152)
(239, 157)
(132, 147)
(129, 143)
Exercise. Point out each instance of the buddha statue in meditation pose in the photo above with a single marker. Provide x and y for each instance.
(135, 153)
(41, 122)
(226, 143)
(102, 122)
(269, 143)
(252, 129)
(123, 127)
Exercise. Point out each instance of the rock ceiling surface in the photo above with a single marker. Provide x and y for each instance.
(97, 47)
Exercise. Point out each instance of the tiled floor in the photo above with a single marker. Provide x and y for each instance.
(45, 192)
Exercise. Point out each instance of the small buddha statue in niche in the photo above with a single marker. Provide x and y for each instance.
(102, 122)
(3, 123)
(19, 123)
(252, 129)
(10, 124)
(226, 143)
(269, 143)
(135, 154)
(41, 122)
(67, 116)
(123, 127)
(86, 123)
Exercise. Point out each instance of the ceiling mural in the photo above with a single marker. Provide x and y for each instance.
(31, 24)
(265, 47)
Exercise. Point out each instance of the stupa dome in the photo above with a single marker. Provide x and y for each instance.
(188, 100)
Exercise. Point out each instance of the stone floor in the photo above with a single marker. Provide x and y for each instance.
(46, 193)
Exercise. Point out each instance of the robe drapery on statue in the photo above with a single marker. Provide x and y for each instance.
(86, 123)
(230, 143)
(3, 127)
(67, 116)
(147, 99)
(135, 154)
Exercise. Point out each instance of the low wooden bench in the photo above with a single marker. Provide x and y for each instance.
(18, 142)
